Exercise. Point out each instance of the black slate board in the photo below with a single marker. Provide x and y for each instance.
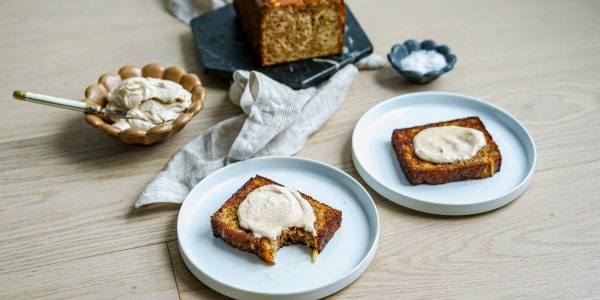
(223, 48)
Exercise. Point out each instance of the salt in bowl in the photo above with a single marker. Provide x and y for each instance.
(428, 49)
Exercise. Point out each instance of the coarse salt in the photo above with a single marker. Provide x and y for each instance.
(423, 61)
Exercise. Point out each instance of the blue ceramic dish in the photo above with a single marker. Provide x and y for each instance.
(400, 51)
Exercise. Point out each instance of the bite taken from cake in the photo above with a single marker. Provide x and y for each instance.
(262, 216)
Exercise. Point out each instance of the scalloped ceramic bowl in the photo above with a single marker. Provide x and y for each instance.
(401, 51)
(97, 93)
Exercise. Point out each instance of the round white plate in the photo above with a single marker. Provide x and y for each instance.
(238, 274)
(376, 162)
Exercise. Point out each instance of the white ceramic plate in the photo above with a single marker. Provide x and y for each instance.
(239, 274)
(377, 164)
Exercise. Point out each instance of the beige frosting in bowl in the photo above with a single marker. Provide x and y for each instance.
(151, 101)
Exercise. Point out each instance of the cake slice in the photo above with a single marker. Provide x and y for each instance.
(283, 31)
(225, 224)
(484, 164)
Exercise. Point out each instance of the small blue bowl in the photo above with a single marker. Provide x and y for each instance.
(400, 51)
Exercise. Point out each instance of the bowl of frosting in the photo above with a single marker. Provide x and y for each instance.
(423, 62)
(157, 102)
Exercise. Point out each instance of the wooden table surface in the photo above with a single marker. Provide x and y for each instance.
(68, 228)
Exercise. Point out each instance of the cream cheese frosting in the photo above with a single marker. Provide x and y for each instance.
(269, 209)
(448, 144)
(151, 101)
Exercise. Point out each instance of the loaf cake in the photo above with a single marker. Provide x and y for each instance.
(225, 224)
(283, 31)
(485, 163)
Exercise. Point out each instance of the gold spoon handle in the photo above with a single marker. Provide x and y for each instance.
(56, 102)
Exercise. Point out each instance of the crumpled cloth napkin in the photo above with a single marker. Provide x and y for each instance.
(277, 121)
(186, 10)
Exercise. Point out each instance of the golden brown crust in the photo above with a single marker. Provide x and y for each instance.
(486, 163)
(224, 224)
(283, 31)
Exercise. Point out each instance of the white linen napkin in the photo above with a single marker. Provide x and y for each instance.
(186, 10)
(276, 120)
